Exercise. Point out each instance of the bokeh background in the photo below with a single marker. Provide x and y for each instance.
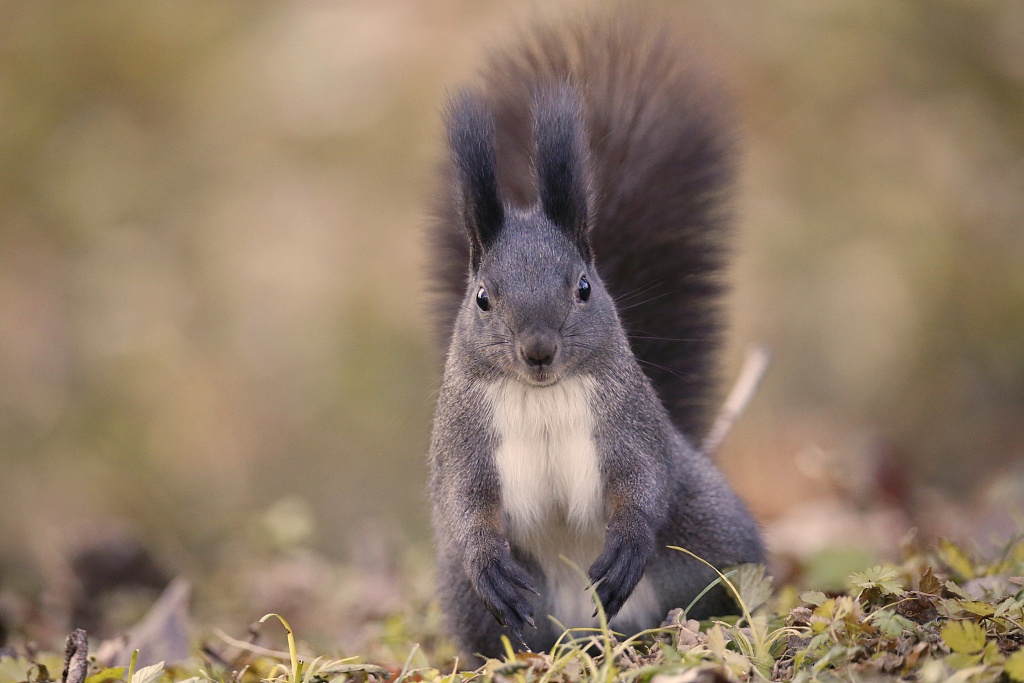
(212, 307)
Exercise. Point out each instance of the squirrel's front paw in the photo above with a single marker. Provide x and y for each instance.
(618, 569)
(500, 581)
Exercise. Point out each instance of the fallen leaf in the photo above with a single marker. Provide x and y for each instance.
(964, 637)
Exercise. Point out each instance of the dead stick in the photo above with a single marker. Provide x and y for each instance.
(754, 366)
(76, 657)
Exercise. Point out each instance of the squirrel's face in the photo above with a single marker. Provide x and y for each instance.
(535, 309)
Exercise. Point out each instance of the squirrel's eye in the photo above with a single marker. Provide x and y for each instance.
(584, 288)
(481, 299)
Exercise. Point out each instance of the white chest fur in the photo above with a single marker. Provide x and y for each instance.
(551, 489)
(547, 460)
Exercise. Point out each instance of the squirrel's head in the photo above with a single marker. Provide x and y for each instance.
(535, 308)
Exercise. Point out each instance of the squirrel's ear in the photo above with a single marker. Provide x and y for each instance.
(472, 143)
(563, 161)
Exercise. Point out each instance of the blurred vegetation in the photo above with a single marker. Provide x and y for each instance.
(211, 295)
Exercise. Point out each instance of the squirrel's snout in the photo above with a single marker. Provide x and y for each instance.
(538, 348)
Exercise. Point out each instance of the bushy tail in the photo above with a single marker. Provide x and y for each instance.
(661, 149)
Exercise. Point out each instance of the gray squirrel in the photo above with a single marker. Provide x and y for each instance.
(579, 246)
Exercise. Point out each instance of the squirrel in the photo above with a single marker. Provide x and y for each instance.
(579, 244)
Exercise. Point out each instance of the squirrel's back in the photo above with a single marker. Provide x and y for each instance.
(662, 169)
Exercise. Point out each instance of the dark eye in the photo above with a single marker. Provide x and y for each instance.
(584, 289)
(481, 299)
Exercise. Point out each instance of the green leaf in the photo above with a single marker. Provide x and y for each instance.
(884, 579)
(1008, 605)
(992, 656)
(891, 624)
(982, 609)
(959, 660)
(716, 641)
(149, 674)
(956, 590)
(1014, 666)
(813, 597)
(954, 556)
(963, 637)
(754, 587)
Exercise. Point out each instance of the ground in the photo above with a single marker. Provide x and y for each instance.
(943, 612)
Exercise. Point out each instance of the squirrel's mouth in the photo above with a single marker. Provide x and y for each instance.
(540, 378)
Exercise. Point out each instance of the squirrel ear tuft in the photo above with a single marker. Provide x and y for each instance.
(563, 161)
(471, 139)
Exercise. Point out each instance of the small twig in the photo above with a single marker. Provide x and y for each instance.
(754, 367)
(76, 657)
(249, 647)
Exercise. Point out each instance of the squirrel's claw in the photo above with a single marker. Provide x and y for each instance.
(616, 572)
(500, 584)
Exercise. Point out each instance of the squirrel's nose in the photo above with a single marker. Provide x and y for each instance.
(538, 348)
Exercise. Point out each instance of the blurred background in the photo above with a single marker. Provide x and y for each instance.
(213, 328)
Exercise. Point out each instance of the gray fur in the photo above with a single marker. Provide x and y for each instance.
(657, 489)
